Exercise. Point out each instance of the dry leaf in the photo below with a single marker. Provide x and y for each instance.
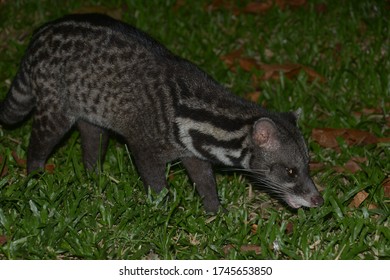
(247, 64)
(321, 8)
(258, 7)
(231, 58)
(289, 228)
(315, 166)
(244, 248)
(179, 4)
(3, 240)
(222, 4)
(282, 4)
(352, 165)
(358, 199)
(327, 137)
(50, 168)
(254, 228)
(386, 186)
(271, 71)
(372, 206)
(20, 162)
(383, 140)
(291, 71)
(253, 96)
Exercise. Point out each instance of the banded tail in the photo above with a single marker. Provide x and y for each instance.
(19, 101)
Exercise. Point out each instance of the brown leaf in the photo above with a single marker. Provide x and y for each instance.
(258, 7)
(327, 137)
(383, 140)
(20, 162)
(359, 137)
(253, 96)
(352, 165)
(244, 248)
(291, 71)
(358, 199)
(386, 186)
(247, 64)
(373, 112)
(222, 4)
(231, 58)
(50, 168)
(372, 206)
(271, 71)
(178, 5)
(254, 228)
(249, 248)
(321, 8)
(315, 166)
(3, 240)
(289, 228)
(282, 4)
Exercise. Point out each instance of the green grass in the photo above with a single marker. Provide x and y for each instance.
(74, 215)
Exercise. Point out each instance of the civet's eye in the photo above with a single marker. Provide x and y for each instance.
(291, 172)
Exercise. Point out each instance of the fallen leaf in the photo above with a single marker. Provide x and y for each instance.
(376, 113)
(372, 206)
(258, 7)
(222, 4)
(321, 8)
(3, 240)
(251, 248)
(386, 186)
(19, 161)
(254, 228)
(244, 248)
(282, 4)
(289, 228)
(179, 4)
(383, 140)
(358, 199)
(231, 58)
(315, 166)
(290, 71)
(271, 71)
(50, 168)
(327, 137)
(248, 64)
(253, 96)
(351, 165)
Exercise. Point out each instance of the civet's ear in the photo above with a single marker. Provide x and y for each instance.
(265, 133)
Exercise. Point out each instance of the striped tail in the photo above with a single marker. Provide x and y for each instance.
(19, 100)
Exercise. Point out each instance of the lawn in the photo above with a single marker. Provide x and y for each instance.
(330, 58)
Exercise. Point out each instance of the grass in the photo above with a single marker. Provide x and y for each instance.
(70, 214)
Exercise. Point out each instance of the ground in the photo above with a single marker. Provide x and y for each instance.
(329, 58)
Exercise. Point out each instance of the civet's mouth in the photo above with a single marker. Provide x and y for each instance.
(294, 201)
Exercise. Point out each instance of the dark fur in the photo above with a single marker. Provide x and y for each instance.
(101, 74)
